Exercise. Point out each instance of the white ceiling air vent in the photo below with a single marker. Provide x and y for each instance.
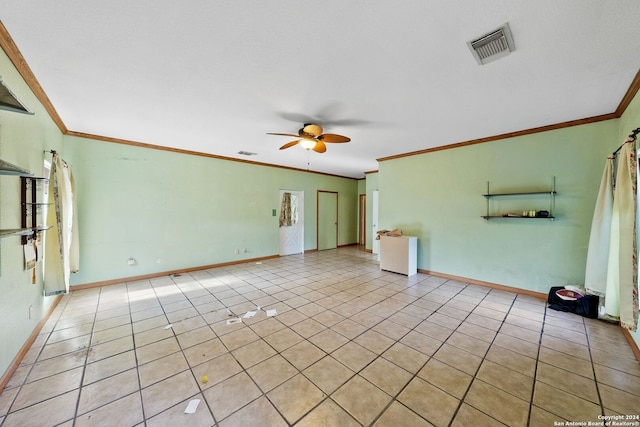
(9, 102)
(493, 45)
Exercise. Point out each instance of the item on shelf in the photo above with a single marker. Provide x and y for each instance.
(543, 214)
(396, 232)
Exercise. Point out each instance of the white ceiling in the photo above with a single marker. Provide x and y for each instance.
(395, 76)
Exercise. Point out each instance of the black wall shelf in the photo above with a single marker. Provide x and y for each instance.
(31, 207)
(551, 193)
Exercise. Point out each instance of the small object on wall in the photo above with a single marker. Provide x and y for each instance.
(29, 255)
(131, 261)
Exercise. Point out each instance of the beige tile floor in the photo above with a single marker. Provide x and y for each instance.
(350, 345)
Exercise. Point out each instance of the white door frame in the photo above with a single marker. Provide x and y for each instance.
(375, 246)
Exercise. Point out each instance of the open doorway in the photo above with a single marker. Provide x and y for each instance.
(362, 221)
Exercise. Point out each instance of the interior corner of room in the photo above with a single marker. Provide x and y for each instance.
(146, 212)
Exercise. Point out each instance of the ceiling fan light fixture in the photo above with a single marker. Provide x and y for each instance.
(310, 137)
(308, 144)
(312, 129)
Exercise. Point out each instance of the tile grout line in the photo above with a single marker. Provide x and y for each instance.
(415, 375)
(343, 284)
(474, 377)
(135, 354)
(86, 358)
(175, 336)
(32, 365)
(593, 368)
(535, 371)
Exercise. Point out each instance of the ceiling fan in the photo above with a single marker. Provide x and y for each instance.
(310, 137)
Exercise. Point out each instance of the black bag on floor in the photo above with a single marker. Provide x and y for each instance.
(587, 306)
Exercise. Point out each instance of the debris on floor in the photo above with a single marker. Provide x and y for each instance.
(192, 406)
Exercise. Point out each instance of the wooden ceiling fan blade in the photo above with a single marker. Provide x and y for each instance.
(283, 134)
(332, 137)
(290, 144)
(319, 147)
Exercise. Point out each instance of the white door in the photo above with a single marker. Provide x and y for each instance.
(292, 237)
(375, 246)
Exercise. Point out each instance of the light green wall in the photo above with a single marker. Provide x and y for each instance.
(23, 140)
(185, 210)
(438, 197)
(189, 211)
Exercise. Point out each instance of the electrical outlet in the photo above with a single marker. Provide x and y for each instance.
(245, 250)
(237, 251)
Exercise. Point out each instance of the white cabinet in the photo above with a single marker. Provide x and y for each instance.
(399, 254)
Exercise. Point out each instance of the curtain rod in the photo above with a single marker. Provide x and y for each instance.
(631, 135)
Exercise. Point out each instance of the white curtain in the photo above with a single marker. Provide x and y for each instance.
(595, 280)
(61, 243)
(612, 262)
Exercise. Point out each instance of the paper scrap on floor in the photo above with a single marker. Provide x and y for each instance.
(192, 406)
(272, 312)
(168, 326)
(249, 314)
(234, 321)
